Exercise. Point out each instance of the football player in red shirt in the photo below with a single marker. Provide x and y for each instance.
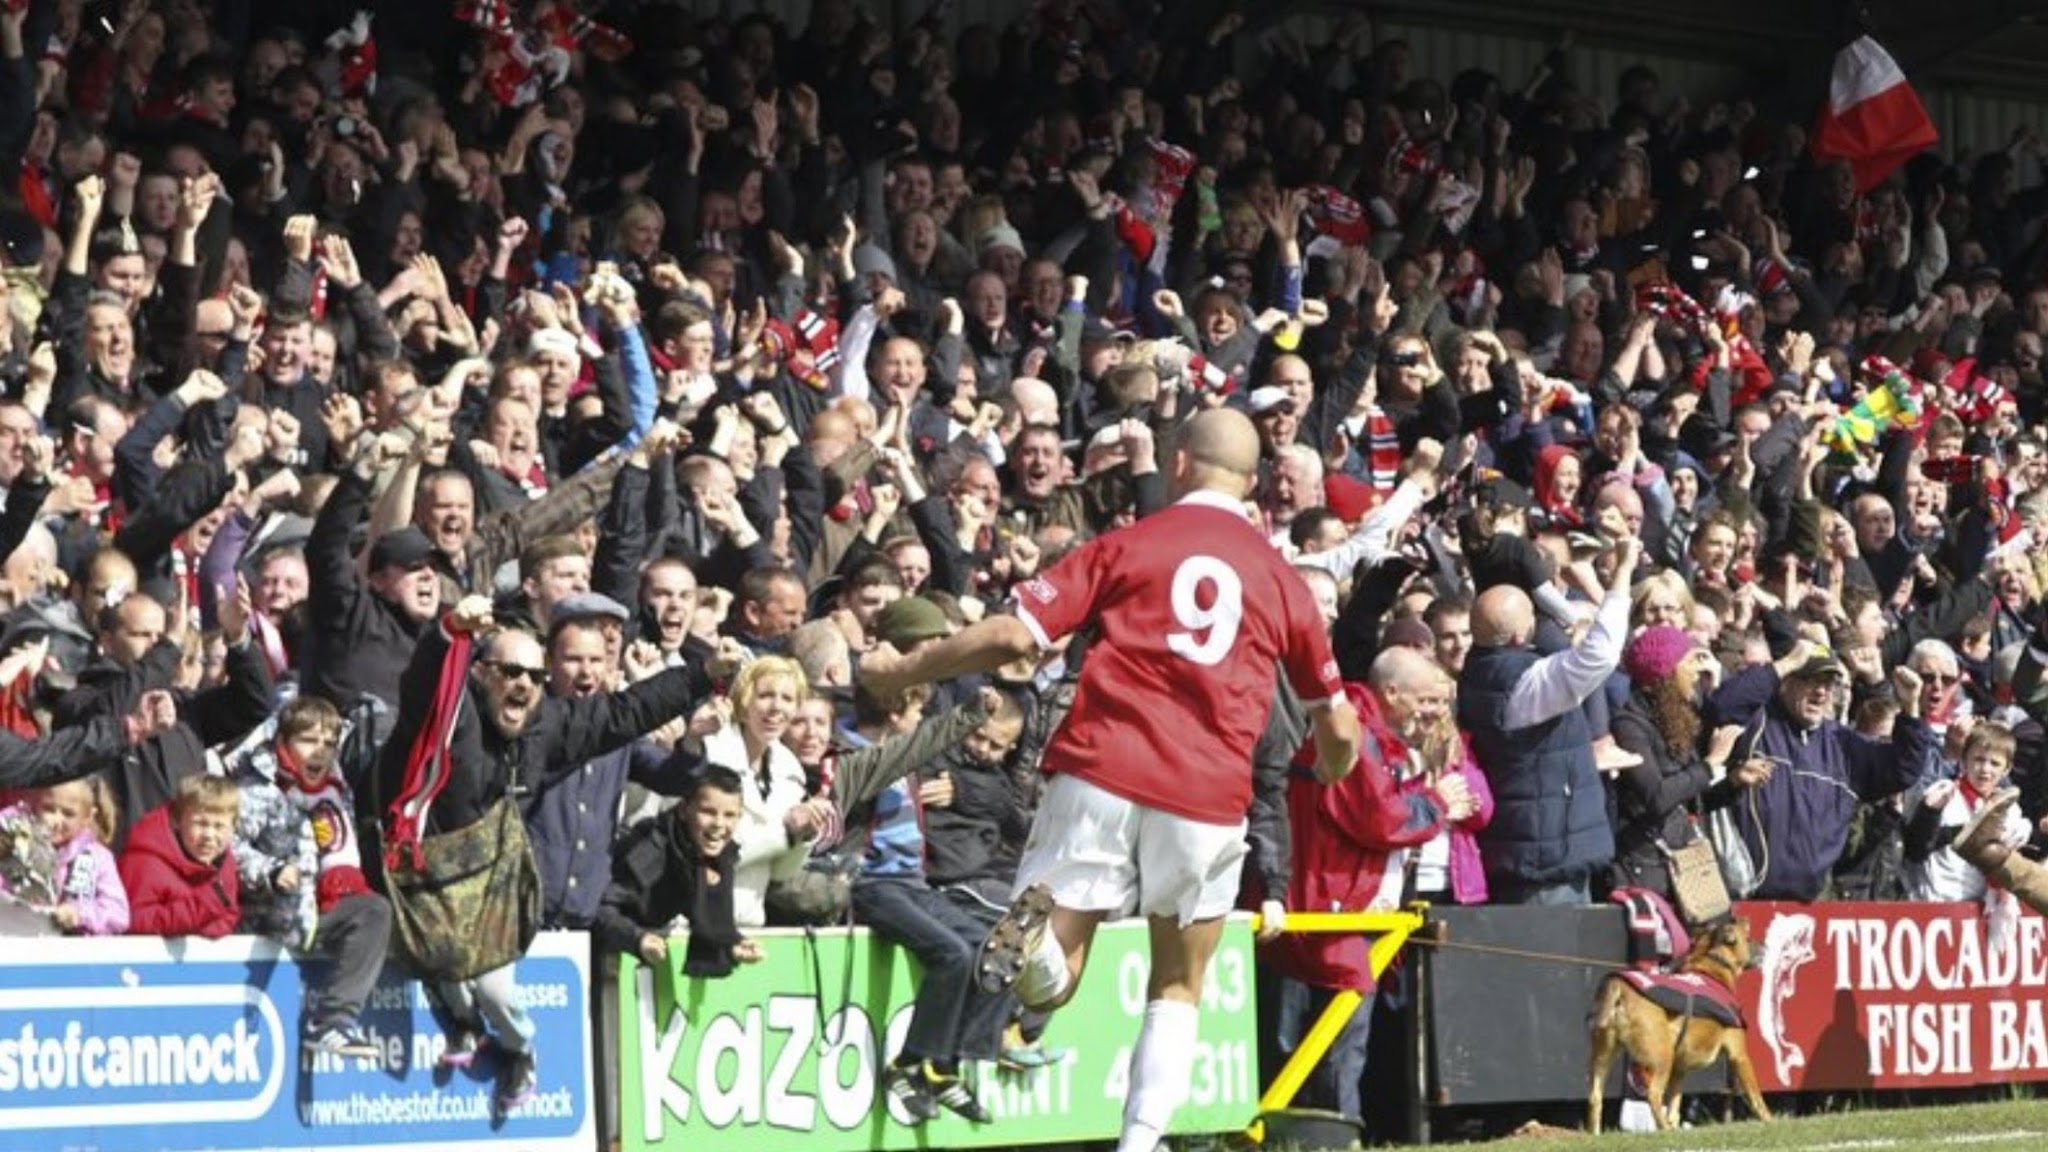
(1189, 612)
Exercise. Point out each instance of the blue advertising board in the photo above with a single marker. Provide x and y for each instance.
(136, 1044)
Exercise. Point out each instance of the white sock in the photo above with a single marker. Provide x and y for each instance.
(1162, 1065)
(1044, 978)
(1637, 1117)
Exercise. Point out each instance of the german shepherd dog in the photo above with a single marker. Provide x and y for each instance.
(1668, 1046)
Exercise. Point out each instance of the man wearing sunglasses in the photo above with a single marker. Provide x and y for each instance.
(1942, 700)
(510, 736)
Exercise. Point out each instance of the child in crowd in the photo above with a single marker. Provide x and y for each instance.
(681, 863)
(56, 859)
(179, 873)
(883, 788)
(301, 868)
(86, 896)
(1940, 810)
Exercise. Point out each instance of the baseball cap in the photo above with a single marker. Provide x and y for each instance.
(1264, 400)
(910, 620)
(551, 341)
(1820, 662)
(1500, 492)
(588, 606)
(1097, 329)
(407, 548)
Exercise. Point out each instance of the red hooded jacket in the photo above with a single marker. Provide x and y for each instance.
(170, 893)
(1344, 834)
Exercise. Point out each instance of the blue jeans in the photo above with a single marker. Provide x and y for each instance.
(952, 1017)
(1337, 1081)
(491, 999)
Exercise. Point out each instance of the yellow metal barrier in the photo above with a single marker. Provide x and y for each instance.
(1392, 930)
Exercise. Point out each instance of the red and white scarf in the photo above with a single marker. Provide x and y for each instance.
(428, 764)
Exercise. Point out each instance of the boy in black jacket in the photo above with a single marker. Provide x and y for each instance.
(681, 865)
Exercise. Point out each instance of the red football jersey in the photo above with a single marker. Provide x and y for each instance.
(1192, 611)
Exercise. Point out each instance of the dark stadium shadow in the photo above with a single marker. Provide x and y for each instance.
(1841, 1044)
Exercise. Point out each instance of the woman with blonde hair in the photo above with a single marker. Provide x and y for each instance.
(1663, 598)
(776, 824)
(1448, 869)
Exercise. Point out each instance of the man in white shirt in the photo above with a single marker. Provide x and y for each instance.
(1550, 831)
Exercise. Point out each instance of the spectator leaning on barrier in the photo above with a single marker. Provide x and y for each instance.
(1350, 852)
(301, 869)
(77, 881)
(778, 822)
(502, 740)
(573, 821)
(1937, 811)
(1448, 868)
(1658, 803)
(177, 867)
(680, 867)
(884, 798)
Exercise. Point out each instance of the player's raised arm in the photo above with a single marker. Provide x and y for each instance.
(982, 647)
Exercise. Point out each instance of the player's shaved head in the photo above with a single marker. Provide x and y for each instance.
(1503, 617)
(1218, 450)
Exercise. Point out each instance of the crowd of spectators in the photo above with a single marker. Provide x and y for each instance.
(712, 344)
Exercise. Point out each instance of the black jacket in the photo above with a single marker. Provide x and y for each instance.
(658, 875)
(147, 776)
(61, 756)
(1655, 799)
(356, 641)
(1270, 836)
(973, 841)
(560, 736)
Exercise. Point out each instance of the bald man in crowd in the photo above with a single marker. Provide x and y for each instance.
(1550, 832)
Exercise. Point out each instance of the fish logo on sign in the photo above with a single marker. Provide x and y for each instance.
(1788, 947)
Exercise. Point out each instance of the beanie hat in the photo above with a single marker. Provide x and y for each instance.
(869, 259)
(1656, 653)
(998, 236)
(910, 620)
(1408, 632)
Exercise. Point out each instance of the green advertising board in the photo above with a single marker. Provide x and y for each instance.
(760, 1059)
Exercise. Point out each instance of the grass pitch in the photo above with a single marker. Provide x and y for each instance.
(1994, 1127)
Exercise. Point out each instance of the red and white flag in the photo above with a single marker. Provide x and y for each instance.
(1873, 118)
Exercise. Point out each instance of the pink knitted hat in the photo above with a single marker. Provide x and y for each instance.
(1656, 653)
